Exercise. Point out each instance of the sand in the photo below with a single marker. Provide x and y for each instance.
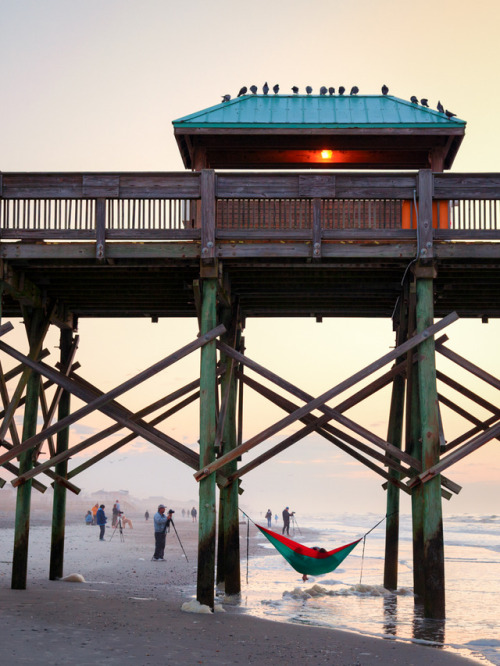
(128, 611)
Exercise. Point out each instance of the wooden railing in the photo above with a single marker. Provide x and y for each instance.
(248, 206)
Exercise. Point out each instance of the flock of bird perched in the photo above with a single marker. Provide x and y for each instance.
(331, 91)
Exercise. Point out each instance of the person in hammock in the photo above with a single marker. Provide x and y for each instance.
(320, 550)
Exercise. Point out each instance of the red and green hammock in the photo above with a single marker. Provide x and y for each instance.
(308, 560)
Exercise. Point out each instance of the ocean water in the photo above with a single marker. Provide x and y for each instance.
(353, 598)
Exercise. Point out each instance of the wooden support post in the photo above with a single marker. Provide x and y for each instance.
(229, 521)
(61, 469)
(100, 230)
(2, 481)
(414, 448)
(316, 246)
(207, 514)
(207, 185)
(37, 327)
(432, 524)
(394, 436)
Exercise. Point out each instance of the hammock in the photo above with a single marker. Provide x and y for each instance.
(308, 560)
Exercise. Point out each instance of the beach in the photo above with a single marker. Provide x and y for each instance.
(128, 610)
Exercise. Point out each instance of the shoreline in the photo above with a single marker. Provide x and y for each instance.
(129, 610)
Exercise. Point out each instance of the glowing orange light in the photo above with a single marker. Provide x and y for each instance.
(326, 154)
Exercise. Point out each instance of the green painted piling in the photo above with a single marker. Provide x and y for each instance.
(61, 469)
(394, 436)
(207, 512)
(229, 494)
(432, 525)
(23, 499)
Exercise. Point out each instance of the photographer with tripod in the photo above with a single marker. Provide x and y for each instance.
(161, 523)
(286, 520)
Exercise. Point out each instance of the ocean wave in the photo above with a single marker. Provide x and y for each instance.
(360, 589)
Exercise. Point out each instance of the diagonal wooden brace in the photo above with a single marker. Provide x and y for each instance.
(328, 395)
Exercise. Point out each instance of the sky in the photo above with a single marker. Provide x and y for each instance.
(95, 85)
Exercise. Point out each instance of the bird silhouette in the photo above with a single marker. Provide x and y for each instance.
(341, 90)
(243, 91)
(354, 90)
(253, 90)
(276, 89)
(450, 114)
(323, 90)
(424, 102)
(295, 90)
(385, 89)
(226, 98)
(265, 88)
(309, 90)
(331, 91)
(413, 99)
(440, 107)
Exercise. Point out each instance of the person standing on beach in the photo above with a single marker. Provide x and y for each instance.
(161, 522)
(146, 516)
(94, 512)
(101, 520)
(286, 520)
(269, 517)
(193, 514)
(114, 519)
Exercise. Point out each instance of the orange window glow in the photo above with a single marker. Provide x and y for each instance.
(326, 154)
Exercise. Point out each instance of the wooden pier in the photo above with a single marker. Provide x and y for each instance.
(420, 247)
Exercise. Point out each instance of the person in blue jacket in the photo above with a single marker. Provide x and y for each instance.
(101, 520)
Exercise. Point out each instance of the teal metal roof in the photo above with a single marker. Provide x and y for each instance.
(317, 112)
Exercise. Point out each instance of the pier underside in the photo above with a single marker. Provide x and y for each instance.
(277, 287)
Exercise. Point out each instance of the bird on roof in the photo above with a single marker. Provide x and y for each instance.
(323, 90)
(226, 98)
(450, 114)
(331, 91)
(265, 88)
(276, 89)
(295, 90)
(385, 89)
(341, 90)
(354, 90)
(440, 107)
(309, 90)
(253, 90)
(424, 102)
(243, 91)
(413, 99)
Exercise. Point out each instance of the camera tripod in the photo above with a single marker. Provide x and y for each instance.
(119, 526)
(295, 524)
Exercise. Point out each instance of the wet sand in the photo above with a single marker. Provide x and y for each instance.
(128, 611)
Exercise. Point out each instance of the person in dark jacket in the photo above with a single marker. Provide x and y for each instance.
(101, 520)
(286, 520)
(269, 517)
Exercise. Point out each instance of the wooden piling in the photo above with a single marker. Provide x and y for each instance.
(432, 524)
(207, 513)
(229, 494)
(395, 436)
(59, 500)
(35, 328)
